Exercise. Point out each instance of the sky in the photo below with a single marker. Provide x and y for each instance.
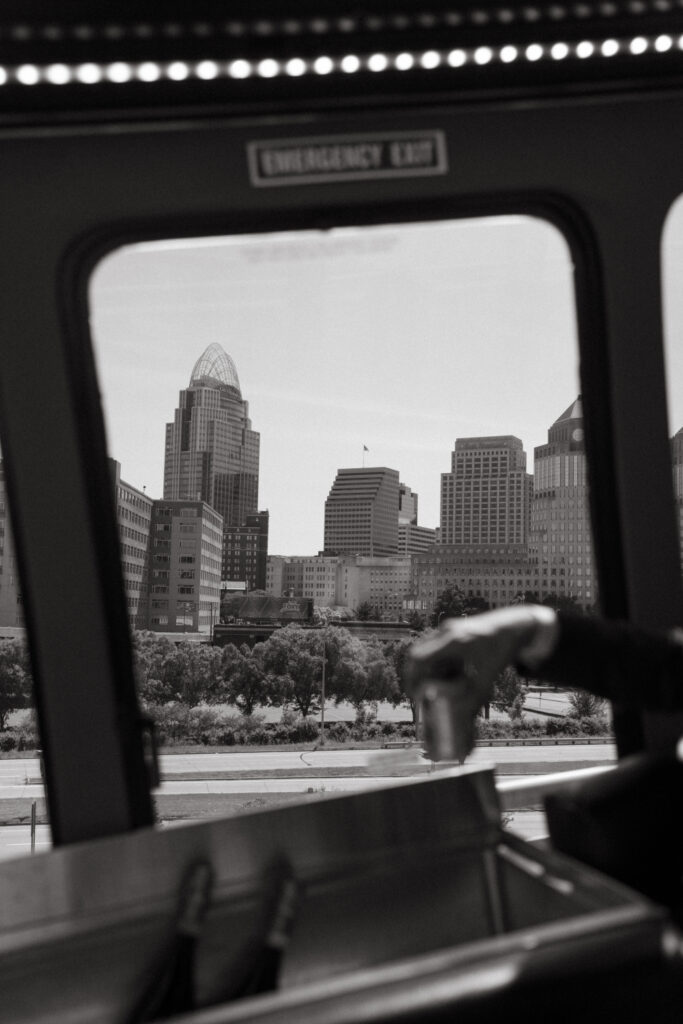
(399, 338)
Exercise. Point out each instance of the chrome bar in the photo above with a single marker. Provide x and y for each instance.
(514, 794)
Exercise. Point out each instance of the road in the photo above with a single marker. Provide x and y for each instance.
(329, 771)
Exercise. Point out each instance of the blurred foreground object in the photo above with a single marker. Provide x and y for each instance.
(453, 671)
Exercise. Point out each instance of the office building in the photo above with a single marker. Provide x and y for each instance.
(485, 499)
(414, 539)
(531, 537)
(361, 513)
(304, 576)
(407, 505)
(383, 583)
(185, 567)
(245, 552)
(560, 541)
(133, 515)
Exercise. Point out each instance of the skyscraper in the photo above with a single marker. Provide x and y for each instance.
(212, 453)
(361, 513)
(560, 536)
(501, 539)
(485, 499)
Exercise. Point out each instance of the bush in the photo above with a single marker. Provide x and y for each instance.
(339, 731)
(309, 729)
(221, 736)
(564, 727)
(176, 723)
(7, 742)
(25, 736)
(496, 729)
(493, 729)
(595, 725)
(260, 736)
(388, 729)
(250, 723)
(527, 727)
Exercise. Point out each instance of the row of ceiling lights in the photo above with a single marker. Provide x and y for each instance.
(120, 72)
(346, 24)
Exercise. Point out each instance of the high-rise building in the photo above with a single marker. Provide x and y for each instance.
(485, 499)
(414, 539)
(133, 515)
(245, 552)
(560, 541)
(407, 505)
(504, 535)
(212, 453)
(361, 513)
(185, 573)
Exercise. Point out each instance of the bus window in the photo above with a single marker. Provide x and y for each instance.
(24, 822)
(322, 442)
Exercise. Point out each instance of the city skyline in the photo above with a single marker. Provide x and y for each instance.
(394, 338)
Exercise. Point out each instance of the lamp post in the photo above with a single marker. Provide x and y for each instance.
(322, 700)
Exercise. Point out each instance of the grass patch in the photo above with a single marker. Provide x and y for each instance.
(201, 806)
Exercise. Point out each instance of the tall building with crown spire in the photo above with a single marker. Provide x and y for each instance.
(560, 538)
(212, 453)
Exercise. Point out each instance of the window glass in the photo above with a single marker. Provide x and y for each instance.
(342, 432)
(24, 824)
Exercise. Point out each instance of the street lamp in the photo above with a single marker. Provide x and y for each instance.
(322, 700)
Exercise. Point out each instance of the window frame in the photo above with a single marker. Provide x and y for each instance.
(91, 188)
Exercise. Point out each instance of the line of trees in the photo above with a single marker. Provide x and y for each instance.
(286, 670)
(289, 670)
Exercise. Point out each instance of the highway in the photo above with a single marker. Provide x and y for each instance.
(321, 771)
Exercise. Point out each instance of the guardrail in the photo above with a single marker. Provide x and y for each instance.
(544, 741)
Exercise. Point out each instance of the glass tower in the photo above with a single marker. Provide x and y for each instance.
(212, 454)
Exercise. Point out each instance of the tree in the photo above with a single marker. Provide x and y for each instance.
(293, 660)
(362, 674)
(454, 602)
(165, 672)
(15, 679)
(245, 683)
(509, 693)
(196, 673)
(367, 612)
(153, 658)
(583, 704)
(398, 653)
(417, 620)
